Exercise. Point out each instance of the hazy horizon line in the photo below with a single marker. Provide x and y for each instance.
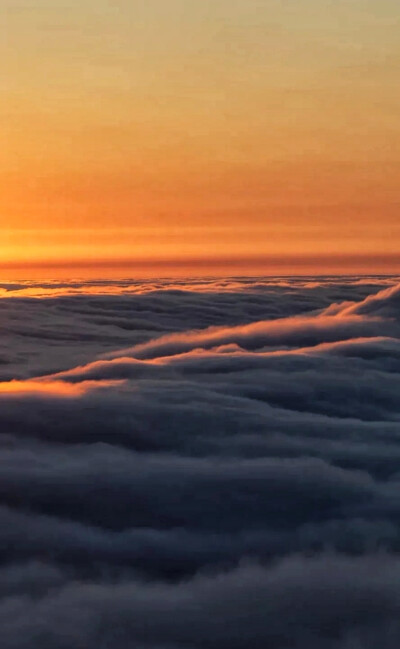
(267, 265)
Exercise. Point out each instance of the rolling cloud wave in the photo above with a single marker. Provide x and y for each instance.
(211, 465)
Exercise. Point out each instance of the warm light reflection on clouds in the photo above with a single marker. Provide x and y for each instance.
(51, 388)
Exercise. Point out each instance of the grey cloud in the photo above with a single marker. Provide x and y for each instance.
(229, 479)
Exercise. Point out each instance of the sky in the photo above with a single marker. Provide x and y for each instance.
(223, 136)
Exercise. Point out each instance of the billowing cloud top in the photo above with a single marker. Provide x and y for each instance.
(207, 464)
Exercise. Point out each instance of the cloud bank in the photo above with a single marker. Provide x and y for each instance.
(200, 464)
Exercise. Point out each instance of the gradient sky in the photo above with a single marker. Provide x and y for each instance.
(199, 136)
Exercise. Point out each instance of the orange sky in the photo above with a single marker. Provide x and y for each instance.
(172, 137)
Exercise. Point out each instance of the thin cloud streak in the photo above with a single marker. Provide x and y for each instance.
(285, 264)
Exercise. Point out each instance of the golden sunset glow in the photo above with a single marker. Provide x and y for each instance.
(224, 136)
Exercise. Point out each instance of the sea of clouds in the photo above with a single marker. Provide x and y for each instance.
(203, 464)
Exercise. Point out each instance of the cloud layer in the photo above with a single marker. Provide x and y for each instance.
(211, 464)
